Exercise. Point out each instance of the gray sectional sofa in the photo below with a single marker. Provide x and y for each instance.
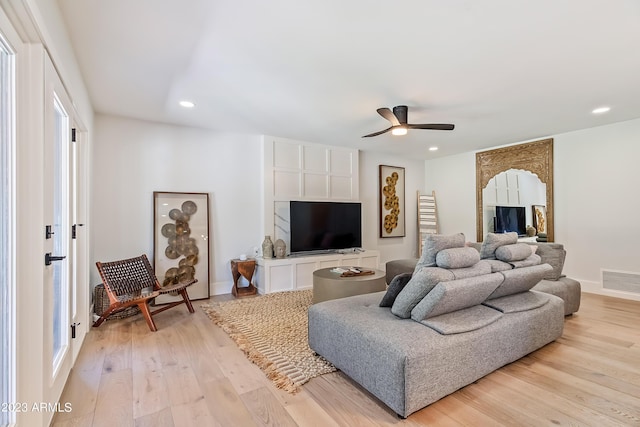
(452, 320)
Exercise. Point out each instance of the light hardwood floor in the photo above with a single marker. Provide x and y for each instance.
(190, 373)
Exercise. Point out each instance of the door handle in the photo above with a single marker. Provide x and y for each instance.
(48, 258)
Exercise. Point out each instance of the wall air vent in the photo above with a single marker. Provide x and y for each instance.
(621, 281)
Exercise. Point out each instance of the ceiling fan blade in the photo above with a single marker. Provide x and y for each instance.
(436, 126)
(378, 133)
(388, 114)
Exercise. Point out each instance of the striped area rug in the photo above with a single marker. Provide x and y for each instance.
(272, 331)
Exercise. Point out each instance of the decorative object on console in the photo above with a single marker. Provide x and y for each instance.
(540, 218)
(267, 247)
(391, 197)
(180, 242)
(531, 231)
(280, 248)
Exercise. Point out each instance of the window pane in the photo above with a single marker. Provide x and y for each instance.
(61, 233)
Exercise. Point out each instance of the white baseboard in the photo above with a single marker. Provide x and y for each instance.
(220, 288)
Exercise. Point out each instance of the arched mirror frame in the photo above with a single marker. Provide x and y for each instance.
(535, 157)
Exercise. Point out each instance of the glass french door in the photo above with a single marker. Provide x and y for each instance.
(59, 203)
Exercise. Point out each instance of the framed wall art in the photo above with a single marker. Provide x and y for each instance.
(539, 218)
(181, 241)
(392, 202)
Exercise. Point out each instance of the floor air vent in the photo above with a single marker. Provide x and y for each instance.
(621, 281)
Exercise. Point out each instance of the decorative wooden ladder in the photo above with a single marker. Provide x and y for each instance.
(427, 217)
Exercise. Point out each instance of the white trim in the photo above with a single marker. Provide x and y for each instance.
(8, 368)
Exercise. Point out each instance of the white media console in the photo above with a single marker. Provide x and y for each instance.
(292, 273)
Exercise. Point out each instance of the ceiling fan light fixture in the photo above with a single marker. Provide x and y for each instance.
(399, 130)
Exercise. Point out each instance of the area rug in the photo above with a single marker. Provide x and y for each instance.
(272, 331)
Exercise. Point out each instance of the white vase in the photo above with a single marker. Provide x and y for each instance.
(267, 247)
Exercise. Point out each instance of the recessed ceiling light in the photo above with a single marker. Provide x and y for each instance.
(187, 104)
(601, 110)
(433, 148)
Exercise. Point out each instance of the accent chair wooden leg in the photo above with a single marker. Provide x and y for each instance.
(99, 321)
(144, 308)
(187, 301)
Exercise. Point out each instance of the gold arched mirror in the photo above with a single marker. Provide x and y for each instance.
(535, 157)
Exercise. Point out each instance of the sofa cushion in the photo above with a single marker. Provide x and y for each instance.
(397, 284)
(420, 284)
(533, 259)
(434, 243)
(493, 241)
(457, 257)
(519, 302)
(497, 265)
(466, 320)
(478, 269)
(447, 297)
(554, 255)
(514, 252)
(520, 280)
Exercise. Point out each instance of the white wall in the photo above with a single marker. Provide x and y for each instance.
(453, 178)
(595, 203)
(133, 158)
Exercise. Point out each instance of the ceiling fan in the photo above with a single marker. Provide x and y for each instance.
(399, 125)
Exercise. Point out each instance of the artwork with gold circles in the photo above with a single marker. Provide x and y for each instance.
(181, 242)
(539, 218)
(392, 206)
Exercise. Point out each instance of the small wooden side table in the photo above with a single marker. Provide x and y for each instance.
(243, 268)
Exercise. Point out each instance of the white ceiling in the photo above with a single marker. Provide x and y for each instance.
(502, 71)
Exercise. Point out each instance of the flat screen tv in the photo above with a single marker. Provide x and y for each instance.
(511, 218)
(325, 226)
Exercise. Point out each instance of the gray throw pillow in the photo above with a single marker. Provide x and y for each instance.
(458, 257)
(433, 244)
(397, 284)
(493, 241)
(516, 252)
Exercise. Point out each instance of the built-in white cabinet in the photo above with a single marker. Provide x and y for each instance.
(291, 273)
(297, 170)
